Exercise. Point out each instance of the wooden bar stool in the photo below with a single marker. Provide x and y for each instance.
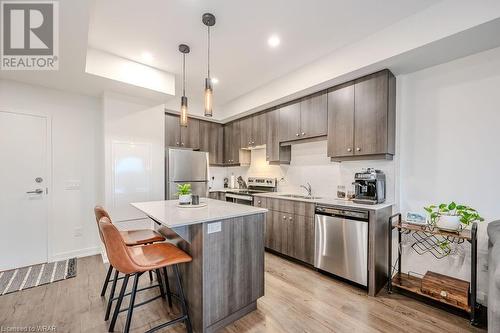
(136, 260)
(131, 238)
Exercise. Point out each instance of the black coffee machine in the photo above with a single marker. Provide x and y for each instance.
(370, 187)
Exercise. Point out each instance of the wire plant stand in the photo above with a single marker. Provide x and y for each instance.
(427, 240)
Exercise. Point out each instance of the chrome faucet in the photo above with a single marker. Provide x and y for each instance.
(308, 188)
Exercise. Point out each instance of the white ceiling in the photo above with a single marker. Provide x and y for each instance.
(241, 58)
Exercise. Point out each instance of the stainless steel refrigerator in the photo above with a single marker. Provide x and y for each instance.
(186, 166)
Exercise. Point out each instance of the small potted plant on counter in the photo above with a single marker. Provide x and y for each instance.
(184, 192)
(452, 216)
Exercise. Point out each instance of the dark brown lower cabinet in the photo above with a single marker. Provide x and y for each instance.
(300, 236)
(288, 233)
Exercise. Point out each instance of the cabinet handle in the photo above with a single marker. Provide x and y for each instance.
(182, 143)
(297, 134)
(290, 218)
(284, 217)
(349, 149)
(177, 143)
(303, 133)
(358, 149)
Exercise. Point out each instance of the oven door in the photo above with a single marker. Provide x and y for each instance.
(239, 198)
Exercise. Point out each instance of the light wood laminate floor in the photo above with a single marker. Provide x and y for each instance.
(297, 299)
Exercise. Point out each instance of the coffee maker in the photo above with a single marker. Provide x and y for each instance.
(369, 187)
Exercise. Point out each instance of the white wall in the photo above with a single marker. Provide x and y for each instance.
(450, 119)
(139, 132)
(372, 53)
(76, 140)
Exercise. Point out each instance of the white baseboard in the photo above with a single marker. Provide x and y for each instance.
(90, 251)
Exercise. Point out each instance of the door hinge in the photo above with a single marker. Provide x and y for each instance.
(46, 190)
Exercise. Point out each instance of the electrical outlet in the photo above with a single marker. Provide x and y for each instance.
(78, 232)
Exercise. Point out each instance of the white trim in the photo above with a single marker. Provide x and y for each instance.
(90, 251)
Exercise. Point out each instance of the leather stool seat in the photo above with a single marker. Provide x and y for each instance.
(133, 261)
(141, 236)
(157, 255)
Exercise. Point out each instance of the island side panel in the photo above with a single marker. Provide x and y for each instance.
(191, 273)
(233, 266)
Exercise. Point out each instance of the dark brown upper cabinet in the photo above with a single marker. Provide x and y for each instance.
(172, 131)
(361, 118)
(212, 141)
(289, 125)
(252, 131)
(275, 154)
(341, 121)
(233, 155)
(259, 129)
(245, 126)
(182, 137)
(313, 116)
(304, 119)
(190, 135)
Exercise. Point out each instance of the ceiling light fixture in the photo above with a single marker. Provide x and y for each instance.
(147, 57)
(208, 20)
(273, 41)
(184, 49)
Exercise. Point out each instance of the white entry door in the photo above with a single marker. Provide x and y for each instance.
(23, 184)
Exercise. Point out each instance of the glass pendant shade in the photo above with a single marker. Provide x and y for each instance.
(184, 111)
(208, 97)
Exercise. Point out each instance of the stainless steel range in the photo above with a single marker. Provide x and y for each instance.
(254, 185)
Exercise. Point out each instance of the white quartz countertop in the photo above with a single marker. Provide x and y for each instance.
(169, 214)
(325, 201)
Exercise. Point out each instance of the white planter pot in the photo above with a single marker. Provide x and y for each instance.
(448, 222)
(185, 199)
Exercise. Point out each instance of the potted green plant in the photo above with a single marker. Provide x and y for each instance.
(184, 192)
(452, 216)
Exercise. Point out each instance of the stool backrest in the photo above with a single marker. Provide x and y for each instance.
(117, 251)
(100, 213)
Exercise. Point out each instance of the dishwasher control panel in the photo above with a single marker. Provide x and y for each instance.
(341, 212)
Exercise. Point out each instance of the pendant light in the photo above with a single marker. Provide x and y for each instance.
(208, 20)
(184, 49)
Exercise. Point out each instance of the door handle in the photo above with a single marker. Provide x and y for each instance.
(37, 191)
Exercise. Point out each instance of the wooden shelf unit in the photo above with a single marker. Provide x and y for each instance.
(413, 284)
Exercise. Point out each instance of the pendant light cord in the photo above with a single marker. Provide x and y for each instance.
(183, 74)
(208, 57)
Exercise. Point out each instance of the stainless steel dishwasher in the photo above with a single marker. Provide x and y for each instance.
(341, 243)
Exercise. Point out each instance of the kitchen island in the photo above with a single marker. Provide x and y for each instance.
(226, 241)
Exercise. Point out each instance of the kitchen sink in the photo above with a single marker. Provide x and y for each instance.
(298, 196)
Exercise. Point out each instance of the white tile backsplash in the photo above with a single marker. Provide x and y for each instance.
(309, 163)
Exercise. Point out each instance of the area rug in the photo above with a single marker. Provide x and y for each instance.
(36, 275)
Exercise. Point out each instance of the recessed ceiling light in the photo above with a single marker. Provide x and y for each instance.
(147, 57)
(273, 41)
(215, 80)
